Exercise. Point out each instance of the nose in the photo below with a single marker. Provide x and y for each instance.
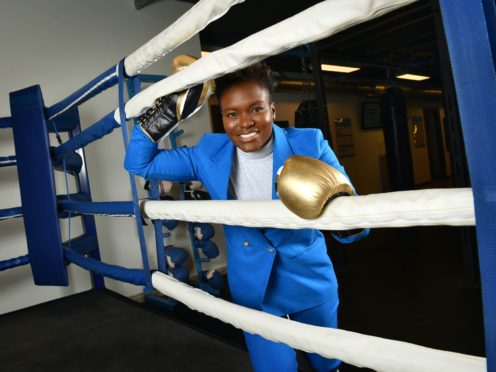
(246, 121)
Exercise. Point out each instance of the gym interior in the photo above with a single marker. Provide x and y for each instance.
(420, 284)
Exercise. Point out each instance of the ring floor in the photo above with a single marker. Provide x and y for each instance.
(99, 330)
(405, 284)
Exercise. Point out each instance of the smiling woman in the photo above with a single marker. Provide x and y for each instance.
(280, 271)
(247, 107)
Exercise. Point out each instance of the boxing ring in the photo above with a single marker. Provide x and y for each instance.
(457, 207)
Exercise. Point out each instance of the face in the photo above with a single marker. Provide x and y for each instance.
(247, 115)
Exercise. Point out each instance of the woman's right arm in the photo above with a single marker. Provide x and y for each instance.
(143, 158)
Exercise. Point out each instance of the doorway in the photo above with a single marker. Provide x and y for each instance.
(435, 147)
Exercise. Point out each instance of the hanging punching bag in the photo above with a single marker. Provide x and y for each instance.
(306, 115)
(397, 140)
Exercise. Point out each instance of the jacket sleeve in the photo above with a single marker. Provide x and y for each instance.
(143, 158)
(328, 156)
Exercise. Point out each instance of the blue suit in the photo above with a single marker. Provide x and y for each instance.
(275, 270)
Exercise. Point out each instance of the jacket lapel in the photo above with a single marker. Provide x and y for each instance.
(221, 170)
(282, 150)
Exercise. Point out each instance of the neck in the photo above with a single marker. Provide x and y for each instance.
(265, 150)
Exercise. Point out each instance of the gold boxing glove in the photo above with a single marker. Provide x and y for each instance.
(167, 111)
(305, 185)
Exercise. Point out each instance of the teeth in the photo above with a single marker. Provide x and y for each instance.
(249, 135)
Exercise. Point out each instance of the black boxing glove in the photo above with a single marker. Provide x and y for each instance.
(158, 121)
(166, 113)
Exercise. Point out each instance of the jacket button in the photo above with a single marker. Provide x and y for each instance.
(246, 243)
(271, 250)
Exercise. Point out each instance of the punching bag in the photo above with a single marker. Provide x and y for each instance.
(306, 115)
(397, 140)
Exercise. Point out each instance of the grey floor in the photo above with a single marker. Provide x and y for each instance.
(408, 284)
(102, 331)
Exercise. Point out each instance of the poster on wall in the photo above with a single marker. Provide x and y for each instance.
(344, 138)
(371, 115)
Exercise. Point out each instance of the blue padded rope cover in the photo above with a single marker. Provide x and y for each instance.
(74, 197)
(5, 123)
(79, 196)
(70, 163)
(83, 244)
(15, 212)
(37, 186)
(94, 87)
(96, 131)
(470, 32)
(14, 262)
(149, 78)
(65, 122)
(113, 208)
(137, 211)
(133, 276)
(7, 161)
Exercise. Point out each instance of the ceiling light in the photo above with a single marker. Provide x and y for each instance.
(336, 68)
(413, 77)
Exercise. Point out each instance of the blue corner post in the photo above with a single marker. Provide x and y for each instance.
(37, 186)
(470, 28)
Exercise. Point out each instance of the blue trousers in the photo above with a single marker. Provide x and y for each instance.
(268, 356)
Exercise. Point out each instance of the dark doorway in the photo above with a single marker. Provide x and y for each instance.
(435, 146)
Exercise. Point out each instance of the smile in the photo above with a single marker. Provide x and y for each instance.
(248, 136)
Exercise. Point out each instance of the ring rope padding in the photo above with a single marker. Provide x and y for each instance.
(429, 207)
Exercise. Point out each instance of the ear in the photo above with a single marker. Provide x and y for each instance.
(273, 109)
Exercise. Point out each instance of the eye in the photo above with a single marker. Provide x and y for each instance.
(258, 109)
(231, 115)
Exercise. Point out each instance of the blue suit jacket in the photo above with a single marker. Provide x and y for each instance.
(280, 271)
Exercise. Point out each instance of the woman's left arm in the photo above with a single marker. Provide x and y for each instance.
(328, 156)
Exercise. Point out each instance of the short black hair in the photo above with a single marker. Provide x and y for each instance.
(260, 73)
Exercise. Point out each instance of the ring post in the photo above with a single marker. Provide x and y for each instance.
(37, 187)
(470, 32)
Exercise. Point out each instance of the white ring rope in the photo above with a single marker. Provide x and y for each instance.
(360, 350)
(186, 26)
(409, 208)
(312, 24)
(428, 207)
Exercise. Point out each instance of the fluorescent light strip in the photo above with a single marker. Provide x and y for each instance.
(413, 77)
(336, 68)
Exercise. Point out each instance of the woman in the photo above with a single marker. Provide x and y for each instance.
(281, 271)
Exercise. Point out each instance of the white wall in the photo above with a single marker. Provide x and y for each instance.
(61, 45)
